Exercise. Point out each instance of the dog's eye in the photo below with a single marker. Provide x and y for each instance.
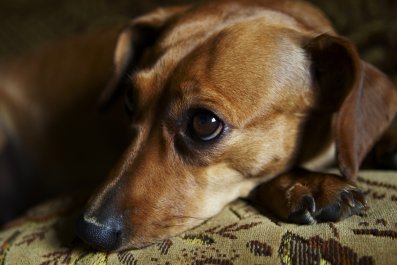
(206, 126)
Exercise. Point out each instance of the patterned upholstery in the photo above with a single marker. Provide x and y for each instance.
(238, 235)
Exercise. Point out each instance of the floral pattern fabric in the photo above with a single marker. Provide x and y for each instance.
(238, 235)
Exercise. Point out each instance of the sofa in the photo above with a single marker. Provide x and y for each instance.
(240, 234)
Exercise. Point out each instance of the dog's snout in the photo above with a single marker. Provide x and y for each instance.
(102, 235)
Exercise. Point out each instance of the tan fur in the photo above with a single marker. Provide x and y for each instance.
(254, 65)
(215, 56)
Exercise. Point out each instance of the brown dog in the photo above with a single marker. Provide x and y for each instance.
(227, 95)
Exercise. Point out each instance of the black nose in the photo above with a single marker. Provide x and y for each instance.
(105, 236)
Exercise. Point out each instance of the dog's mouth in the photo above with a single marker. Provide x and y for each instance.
(113, 236)
(111, 224)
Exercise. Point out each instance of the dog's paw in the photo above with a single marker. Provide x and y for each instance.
(329, 200)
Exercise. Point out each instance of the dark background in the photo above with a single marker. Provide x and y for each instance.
(24, 24)
(372, 25)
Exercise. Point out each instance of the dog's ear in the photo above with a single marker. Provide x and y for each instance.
(364, 100)
(140, 34)
(363, 117)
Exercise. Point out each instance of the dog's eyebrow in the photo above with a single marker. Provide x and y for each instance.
(189, 86)
(142, 79)
(146, 83)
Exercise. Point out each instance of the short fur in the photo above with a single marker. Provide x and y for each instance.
(289, 91)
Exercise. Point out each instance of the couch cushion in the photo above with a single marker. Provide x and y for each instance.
(238, 235)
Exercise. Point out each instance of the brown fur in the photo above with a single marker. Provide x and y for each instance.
(49, 115)
(287, 89)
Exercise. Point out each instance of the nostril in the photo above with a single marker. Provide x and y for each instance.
(105, 237)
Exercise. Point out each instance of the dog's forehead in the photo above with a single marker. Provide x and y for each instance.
(198, 24)
(241, 61)
(251, 66)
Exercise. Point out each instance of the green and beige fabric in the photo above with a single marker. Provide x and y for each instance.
(238, 235)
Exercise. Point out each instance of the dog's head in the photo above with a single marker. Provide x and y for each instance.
(219, 99)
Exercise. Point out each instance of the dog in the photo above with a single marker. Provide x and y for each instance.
(230, 99)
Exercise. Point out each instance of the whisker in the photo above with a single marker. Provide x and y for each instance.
(189, 217)
(163, 223)
(168, 225)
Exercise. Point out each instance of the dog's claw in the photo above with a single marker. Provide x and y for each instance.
(304, 214)
(309, 203)
(306, 197)
(332, 213)
(360, 197)
(347, 202)
(302, 217)
(347, 197)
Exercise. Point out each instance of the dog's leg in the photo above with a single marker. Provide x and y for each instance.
(306, 197)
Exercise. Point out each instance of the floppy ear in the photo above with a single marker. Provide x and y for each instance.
(364, 100)
(364, 116)
(139, 35)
